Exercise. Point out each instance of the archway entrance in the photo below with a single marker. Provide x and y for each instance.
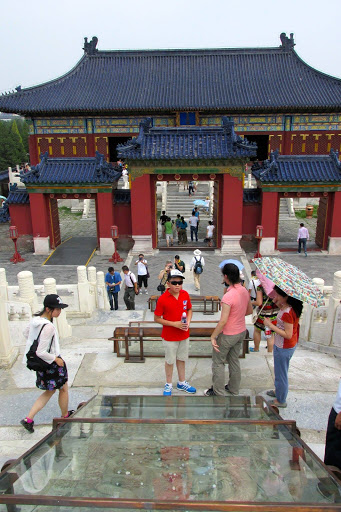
(181, 197)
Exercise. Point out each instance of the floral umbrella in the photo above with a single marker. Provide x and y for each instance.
(291, 280)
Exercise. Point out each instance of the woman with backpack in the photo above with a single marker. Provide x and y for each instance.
(56, 376)
(197, 265)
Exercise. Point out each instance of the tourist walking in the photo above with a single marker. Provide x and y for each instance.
(163, 218)
(131, 288)
(113, 281)
(177, 224)
(190, 188)
(182, 232)
(142, 273)
(302, 238)
(55, 377)
(169, 231)
(193, 222)
(228, 336)
(209, 233)
(174, 312)
(286, 337)
(253, 284)
(197, 265)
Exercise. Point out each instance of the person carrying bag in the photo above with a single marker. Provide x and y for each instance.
(42, 355)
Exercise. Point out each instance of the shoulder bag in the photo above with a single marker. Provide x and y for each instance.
(34, 362)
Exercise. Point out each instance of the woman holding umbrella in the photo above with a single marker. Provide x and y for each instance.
(286, 338)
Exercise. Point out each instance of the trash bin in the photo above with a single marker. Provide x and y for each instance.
(309, 210)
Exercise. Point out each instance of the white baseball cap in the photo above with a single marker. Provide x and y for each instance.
(175, 273)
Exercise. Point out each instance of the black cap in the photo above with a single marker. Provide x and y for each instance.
(54, 301)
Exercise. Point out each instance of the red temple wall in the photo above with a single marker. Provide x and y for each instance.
(21, 218)
(122, 217)
(252, 214)
(304, 142)
(232, 205)
(39, 215)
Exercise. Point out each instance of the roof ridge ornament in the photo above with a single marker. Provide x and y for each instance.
(287, 44)
(90, 48)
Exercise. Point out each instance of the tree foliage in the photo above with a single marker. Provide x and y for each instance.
(13, 143)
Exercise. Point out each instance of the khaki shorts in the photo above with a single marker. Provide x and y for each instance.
(176, 350)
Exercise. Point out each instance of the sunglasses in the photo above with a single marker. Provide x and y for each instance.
(176, 283)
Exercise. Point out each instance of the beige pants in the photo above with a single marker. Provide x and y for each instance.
(196, 280)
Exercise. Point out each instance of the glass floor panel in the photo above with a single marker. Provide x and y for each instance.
(169, 463)
(178, 407)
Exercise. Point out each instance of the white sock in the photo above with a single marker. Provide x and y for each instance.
(170, 385)
(182, 383)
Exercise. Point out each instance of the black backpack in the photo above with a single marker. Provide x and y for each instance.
(198, 268)
(34, 362)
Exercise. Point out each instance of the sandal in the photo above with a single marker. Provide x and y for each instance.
(253, 350)
(272, 393)
(274, 403)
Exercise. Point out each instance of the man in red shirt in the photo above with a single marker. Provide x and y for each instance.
(174, 312)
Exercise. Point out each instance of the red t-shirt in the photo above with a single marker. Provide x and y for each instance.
(171, 309)
(287, 316)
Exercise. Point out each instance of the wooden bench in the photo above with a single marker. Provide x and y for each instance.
(143, 334)
(208, 305)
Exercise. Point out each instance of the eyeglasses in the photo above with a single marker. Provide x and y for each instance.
(176, 283)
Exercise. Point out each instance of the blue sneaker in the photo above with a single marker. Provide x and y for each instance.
(186, 387)
(168, 390)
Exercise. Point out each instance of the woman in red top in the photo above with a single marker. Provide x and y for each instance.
(286, 337)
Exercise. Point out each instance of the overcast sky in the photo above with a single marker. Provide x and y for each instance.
(43, 39)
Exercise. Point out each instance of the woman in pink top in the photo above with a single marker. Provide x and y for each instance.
(228, 336)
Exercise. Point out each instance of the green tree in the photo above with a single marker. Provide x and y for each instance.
(24, 131)
(11, 147)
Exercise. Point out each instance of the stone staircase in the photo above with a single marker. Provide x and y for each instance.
(284, 212)
(178, 200)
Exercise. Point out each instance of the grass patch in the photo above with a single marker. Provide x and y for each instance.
(301, 214)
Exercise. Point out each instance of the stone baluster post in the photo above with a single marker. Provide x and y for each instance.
(8, 353)
(103, 302)
(92, 278)
(334, 302)
(83, 290)
(3, 285)
(26, 290)
(64, 329)
(164, 195)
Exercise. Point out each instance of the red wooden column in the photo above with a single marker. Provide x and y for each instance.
(231, 204)
(141, 214)
(105, 219)
(33, 150)
(40, 216)
(334, 246)
(269, 221)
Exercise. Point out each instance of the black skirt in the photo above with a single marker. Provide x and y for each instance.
(53, 378)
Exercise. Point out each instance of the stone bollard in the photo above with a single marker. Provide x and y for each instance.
(3, 285)
(83, 290)
(319, 283)
(8, 353)
(334, 302)
(64, 329)
(103, 302)
(26, 290)
(92, 287)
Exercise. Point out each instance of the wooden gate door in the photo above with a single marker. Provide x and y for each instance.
(320, 234)
(55, 238)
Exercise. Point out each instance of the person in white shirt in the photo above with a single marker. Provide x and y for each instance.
(209, 232)
(142, 273)
(302, 238)
(197, 262)
(207, 204)
(332, 456)
(55, 376)
(193, 222)
(254, 282)
(131, 288)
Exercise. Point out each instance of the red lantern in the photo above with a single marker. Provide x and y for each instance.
(13, 233)
(115, 258)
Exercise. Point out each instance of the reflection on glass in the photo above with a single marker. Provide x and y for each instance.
(177, 407)
(214, 462)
